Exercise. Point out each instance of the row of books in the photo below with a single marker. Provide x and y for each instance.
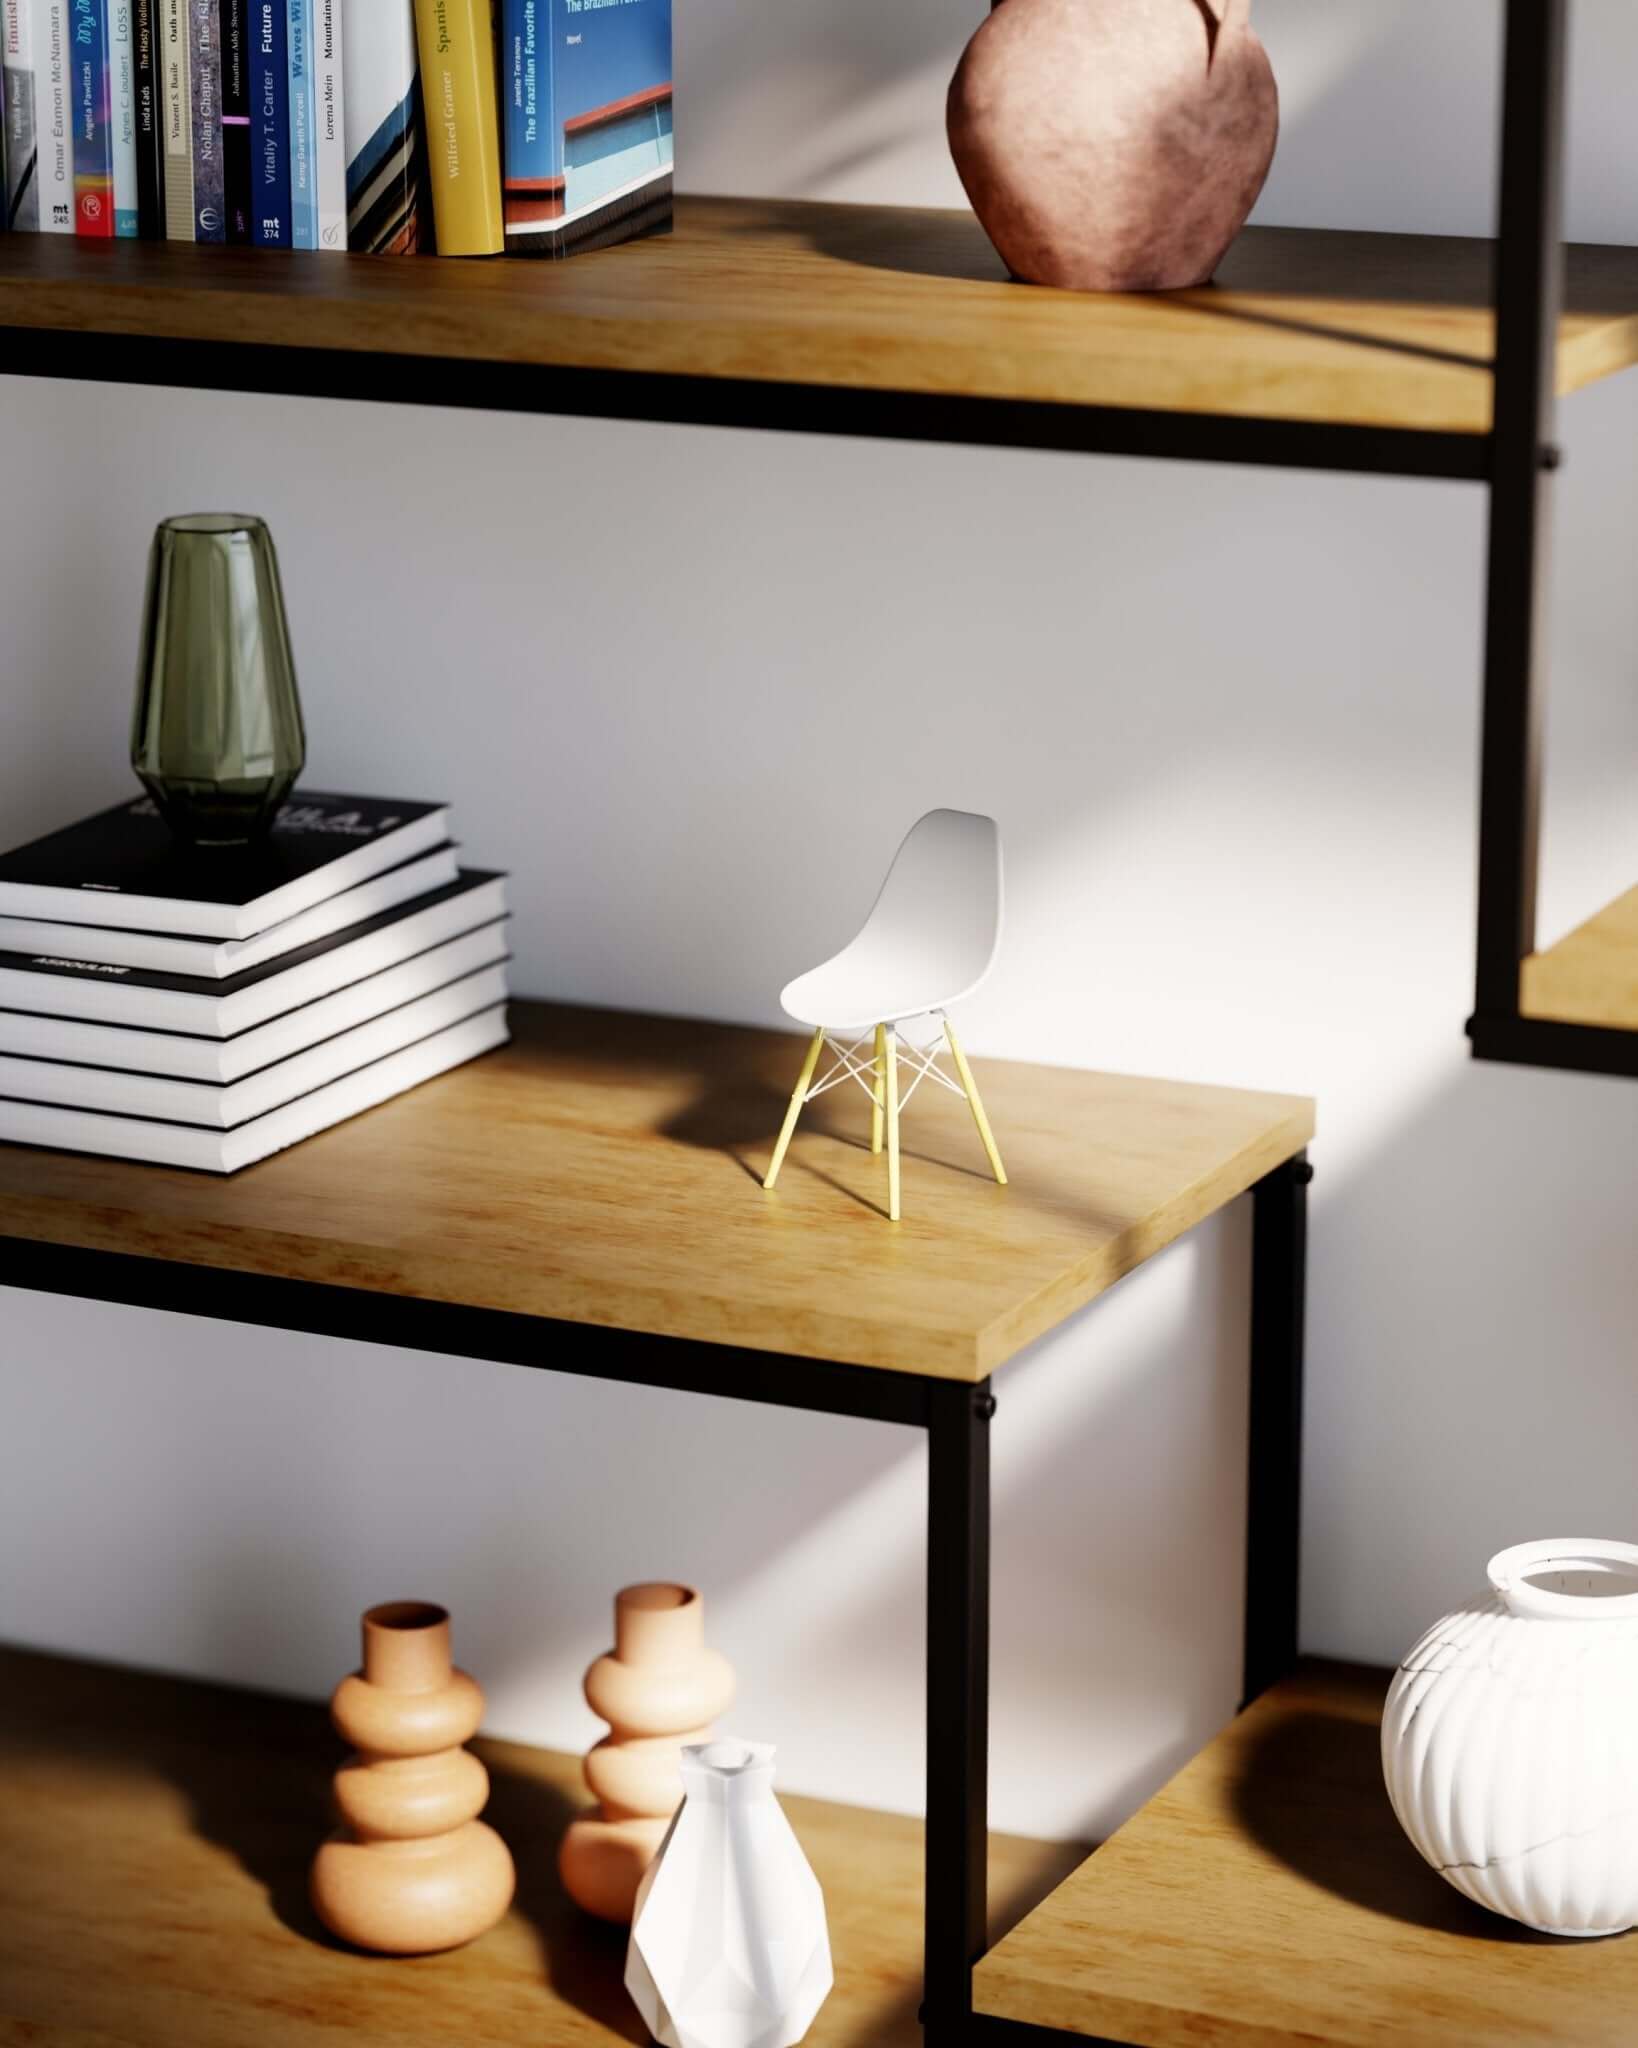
(206, 1008)
(535, 126)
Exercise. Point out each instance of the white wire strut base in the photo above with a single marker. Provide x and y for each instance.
(875, 1062)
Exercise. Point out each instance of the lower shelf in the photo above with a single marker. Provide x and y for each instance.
(1591, 976)
(154, 1842)
(1267, 1896)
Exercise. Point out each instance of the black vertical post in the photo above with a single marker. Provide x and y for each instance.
(1279, 1270)
(1529, 300)
(958, 1714)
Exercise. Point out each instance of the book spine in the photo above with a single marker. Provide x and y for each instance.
(53, 116)
(148, 121)
(232, 32)
(205, 85)
(386, 137)
(270, 117)
(21, 204)
(176, 106)
(588, 124)
(456, 39)
(93, 148)
(330, 141)
(303, 125)
(122, 113)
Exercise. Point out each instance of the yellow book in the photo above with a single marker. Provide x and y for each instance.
(457, 45)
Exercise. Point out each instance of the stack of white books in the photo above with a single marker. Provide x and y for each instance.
(206, 1007)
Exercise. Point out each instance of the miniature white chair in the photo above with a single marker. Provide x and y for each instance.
(929, 941)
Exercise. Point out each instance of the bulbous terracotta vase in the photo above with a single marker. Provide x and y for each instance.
(412, 1868)
(658, 1688)
(1114, 145)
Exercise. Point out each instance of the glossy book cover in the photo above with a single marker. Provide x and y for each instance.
(384, 132)
(93, 143)
(586, 89)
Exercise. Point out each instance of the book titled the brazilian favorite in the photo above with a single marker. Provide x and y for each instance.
(586, 88)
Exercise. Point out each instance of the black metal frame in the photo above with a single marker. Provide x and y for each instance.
(956, 1416)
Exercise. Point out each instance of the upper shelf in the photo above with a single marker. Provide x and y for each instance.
(603, 1169)
(1313, 347)
(1591, 975)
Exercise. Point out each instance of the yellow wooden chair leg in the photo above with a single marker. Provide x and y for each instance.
(975, 1102)
(891, 1062)
(798, 1096)
(878, 1084)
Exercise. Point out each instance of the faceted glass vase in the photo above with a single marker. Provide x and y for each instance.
(217, 737)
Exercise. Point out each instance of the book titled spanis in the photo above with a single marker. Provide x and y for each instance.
(587, 105)
(457, 44)
(382, 126)
(125, 867)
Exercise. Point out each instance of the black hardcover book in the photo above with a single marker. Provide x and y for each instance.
(150, 123)
(58, 985)
(125, 867)
(235, 119)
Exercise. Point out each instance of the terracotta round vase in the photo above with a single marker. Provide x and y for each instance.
(658, 1688)
(412, 1868)
(1114, 145)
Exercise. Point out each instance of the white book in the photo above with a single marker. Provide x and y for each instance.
(208, 1151)
(62, 986)
(222, 1061)
(225, 1108)
(20, 194)
(53, 115)
(122, 113)
(217, 959)
(330, 151)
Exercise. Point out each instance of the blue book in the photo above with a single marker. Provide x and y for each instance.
(586, 103)
(88, 102)
(269, 127)
(304, 221)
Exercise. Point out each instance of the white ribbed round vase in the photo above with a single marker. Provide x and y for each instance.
(1510, 1739)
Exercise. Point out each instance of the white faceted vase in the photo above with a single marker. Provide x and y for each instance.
(729, 1947)
(1510, 1739)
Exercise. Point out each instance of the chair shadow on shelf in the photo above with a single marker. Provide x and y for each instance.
(1354, 1849)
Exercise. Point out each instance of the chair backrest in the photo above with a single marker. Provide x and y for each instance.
(940, 906)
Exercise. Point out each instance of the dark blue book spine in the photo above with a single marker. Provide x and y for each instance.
(236, 151)
(269, 126)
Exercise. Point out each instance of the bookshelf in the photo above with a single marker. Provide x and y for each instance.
(1352, 350)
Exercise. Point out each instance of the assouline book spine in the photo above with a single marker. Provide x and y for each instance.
(303, 125)
(386, 136)
(93, 142)
(205, 82)
(21, 208)
(122, 113)
(588, 123)
(270, 129)
(463, 137)
(234, 40)
(329, 127)
(53, 115)
(147, 120)
(176, 107)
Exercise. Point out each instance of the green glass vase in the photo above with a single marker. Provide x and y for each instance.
(217, 736)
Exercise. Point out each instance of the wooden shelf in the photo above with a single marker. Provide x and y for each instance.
(1268, 1897)
(1590, 977)
(848, 318)
(604, 1168)
(154, 1843)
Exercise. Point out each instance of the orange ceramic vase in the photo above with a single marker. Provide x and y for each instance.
(412, 1868)
(658, 1688)
(1114, 145)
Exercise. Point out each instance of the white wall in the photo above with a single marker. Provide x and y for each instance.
(1229, 722)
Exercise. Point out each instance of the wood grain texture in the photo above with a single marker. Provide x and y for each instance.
(1268, 1897)
(1301, 324)
(1591, 976)
(605, 1168)
(154, 1842)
